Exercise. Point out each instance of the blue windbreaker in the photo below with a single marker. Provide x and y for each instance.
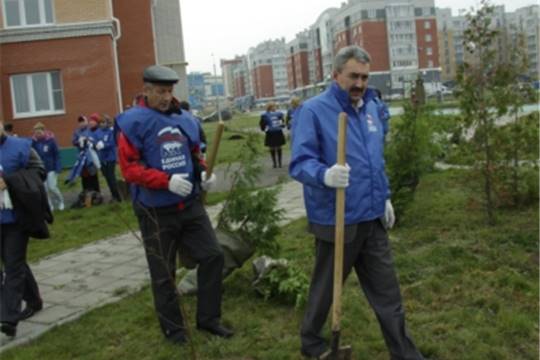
(14, 155)
(314, 147)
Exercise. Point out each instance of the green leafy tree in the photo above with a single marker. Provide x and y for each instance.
(515, 141)
(248, 213)
(411, 151)
(489, 89)
(479, 94)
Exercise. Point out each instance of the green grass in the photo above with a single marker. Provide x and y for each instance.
(229, 148)
(470, 292)
(76, 227)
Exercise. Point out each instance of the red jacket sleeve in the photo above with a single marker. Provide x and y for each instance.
(136, 173)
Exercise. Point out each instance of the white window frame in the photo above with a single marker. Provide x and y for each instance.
(22, 12)
(429, 51)
(428, 37)
(31, 99)
(427, 24)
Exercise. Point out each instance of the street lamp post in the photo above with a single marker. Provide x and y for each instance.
(215, 89)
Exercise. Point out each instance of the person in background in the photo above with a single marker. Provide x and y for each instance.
(84, 140)
(272, 124)
(295, 103)
(184, 105)
(106, 147)
(44, 143)
(17, 283)
(159, 155)
(368, 214)
(8, 129)
(384, 113)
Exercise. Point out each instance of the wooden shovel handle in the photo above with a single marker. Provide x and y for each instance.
(213, 153)
(340, 227)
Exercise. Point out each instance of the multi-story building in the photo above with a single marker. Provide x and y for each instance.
(321, 61)
(299, 51)
(523, 22)
(205, 89)
(168, 39)
(267, 65)
(401, 37)
(63, 58)
(228, 68)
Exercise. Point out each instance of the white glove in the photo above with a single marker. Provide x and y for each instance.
(389, 217)
(337, 176)
(179, 185)
(100, 145)
(81, 141)
(5, 200)
(207, 184)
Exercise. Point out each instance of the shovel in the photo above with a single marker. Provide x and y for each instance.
(213, 153)
(337, 352)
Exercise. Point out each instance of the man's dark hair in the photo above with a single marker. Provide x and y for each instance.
(8, 127)
(184, 105)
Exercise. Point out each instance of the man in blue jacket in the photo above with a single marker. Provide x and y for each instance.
(368, 210)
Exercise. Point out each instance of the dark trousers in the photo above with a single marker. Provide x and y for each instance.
(90, 182)
(17, 282)
(107, 169)
(164, 231)
(370, 256)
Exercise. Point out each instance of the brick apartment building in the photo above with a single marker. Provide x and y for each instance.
(63, 58)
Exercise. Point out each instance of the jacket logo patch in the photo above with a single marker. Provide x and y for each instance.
(371, 125)
(171, 149)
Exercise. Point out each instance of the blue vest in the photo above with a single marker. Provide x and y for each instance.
(273, 120)
(108, 153)
(164, 143)
(47, 150)
(14, 155)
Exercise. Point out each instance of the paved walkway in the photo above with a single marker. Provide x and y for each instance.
(77, 281)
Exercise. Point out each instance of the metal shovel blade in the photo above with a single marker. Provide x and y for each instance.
(343, 353)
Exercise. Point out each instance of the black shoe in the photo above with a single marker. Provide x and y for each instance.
(312, 354)
(178, 338)
(30, 311)
(218, 330)
(9, 329)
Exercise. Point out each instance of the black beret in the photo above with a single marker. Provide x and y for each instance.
(160, 74)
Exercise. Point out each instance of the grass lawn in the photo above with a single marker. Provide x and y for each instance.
(73, 228)
(470, 292)
(228, 148)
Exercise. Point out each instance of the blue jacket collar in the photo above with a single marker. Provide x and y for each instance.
(342, 96)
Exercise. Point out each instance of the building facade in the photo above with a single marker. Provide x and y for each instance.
(267, 68)
(63, 58)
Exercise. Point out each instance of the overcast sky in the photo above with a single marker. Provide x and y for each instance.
(227, 28)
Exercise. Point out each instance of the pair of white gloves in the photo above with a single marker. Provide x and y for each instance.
(337, 176)
(99, 145)
(180, 185)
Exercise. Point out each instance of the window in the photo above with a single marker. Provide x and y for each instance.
(37, 94)
(27, 12)
(430, 63)
(428, 37)
(429, 51)
(427, 25)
